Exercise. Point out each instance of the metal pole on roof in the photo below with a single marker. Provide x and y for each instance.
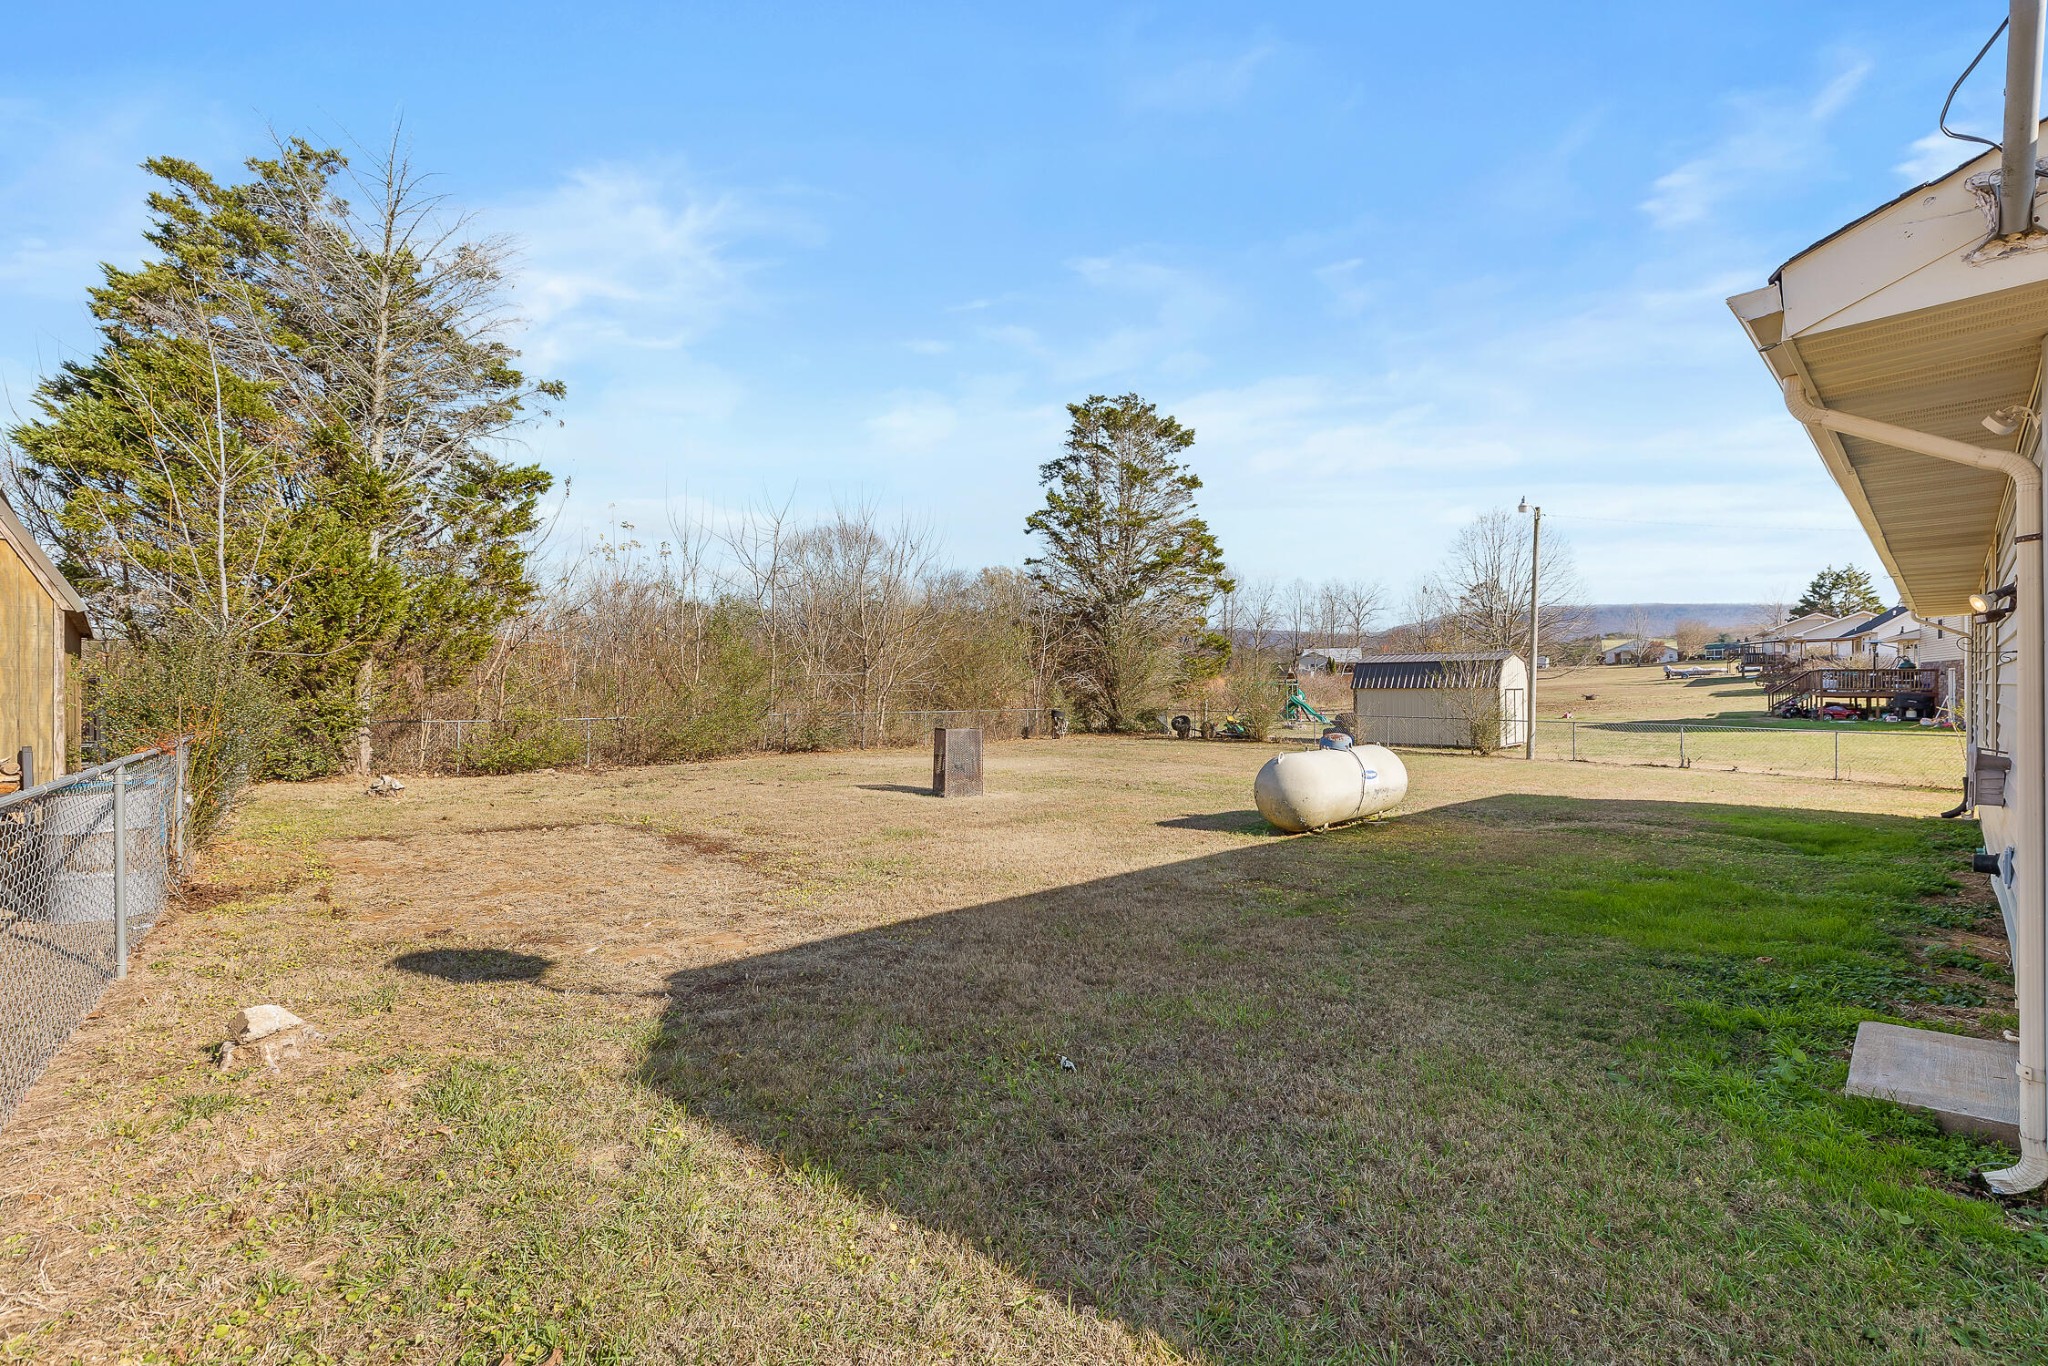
(2022, 145)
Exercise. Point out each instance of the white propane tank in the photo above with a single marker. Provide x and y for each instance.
(1315, 788)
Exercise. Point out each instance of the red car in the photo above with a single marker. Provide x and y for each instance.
(1835, 711)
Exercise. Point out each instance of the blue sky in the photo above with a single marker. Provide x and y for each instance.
(1395, 264)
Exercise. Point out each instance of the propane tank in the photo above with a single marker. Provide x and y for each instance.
(1316, 788)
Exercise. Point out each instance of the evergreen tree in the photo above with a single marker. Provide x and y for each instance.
(1127, 562)
(1839, 592)
(289, 430)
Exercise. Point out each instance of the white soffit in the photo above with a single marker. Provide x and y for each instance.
(1896, 318)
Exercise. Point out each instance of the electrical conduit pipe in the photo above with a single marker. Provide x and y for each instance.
(2030, 952)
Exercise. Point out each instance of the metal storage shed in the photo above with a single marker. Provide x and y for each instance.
(1461, 701)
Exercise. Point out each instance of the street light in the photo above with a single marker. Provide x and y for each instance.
(1535, 610)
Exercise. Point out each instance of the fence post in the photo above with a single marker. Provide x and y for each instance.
(178, 797)
(1681, 744)
(1838, 756)
(1575, 742)
(586, 742)
(121, 871)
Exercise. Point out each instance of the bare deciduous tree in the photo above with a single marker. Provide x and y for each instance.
(1479, 596)
(1692, 637)
(398, 361)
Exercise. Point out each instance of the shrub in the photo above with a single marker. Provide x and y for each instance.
(1252, 687)
(520, 745)
(192, 680)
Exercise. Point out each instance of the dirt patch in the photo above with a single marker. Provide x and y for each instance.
(697, 842)
(602, 899)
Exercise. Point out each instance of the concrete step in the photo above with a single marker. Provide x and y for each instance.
(1969, 1084)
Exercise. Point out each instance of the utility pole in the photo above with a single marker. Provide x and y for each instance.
(1535, 614)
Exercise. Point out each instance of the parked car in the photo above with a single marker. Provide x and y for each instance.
(1835, 711)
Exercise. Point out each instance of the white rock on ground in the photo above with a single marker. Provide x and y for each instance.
(258, 1022)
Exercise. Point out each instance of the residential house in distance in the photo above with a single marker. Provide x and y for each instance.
(1840, 641)
(1795, 638)
(1881, 638)
(1327, 659)
(1641, 652)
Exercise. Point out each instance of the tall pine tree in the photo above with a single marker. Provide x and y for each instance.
(1126, 560)
(289, 432)
(1839, 592)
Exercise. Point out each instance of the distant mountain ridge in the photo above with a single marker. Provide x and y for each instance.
(1662, 618)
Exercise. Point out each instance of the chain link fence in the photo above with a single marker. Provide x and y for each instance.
(1901, 756)
(87, 864)
(419, 744)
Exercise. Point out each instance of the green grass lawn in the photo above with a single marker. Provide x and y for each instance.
(1635, 1122)
(1545, 1076)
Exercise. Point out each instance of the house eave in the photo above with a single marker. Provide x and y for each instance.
(1905, 316)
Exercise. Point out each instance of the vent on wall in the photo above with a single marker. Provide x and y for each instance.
(1986, 777)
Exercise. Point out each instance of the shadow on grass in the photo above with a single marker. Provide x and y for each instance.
(474, 965)
(897, 787)
(1230, 822)
(1402, 1089)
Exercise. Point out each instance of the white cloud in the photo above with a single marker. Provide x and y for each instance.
(620, 256)
(1770, 138)
(1143, 318)
(914, 422)
(1934, 156)
(1320, 428)
(1350, 292)
(1202, 84)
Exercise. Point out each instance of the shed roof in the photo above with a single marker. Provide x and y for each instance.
(1429, 670)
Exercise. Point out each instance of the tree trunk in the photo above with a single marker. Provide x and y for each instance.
(364, 678)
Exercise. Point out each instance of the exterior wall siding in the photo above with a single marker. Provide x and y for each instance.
(1994, 676)
(34, 673)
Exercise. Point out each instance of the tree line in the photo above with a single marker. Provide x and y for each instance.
(282, 482)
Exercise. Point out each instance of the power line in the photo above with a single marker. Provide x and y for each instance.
(1970, 137)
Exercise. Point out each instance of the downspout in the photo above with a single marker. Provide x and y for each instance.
(2030, 949)
(2022, 145)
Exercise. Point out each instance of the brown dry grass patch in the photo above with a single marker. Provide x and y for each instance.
(759, 1060)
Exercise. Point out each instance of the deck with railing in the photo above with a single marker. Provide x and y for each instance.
(1813, 684)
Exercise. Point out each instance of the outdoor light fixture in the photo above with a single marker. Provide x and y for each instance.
(2007, 420)
(1996, 605)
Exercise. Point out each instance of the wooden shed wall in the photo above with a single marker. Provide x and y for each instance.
(36, 678)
